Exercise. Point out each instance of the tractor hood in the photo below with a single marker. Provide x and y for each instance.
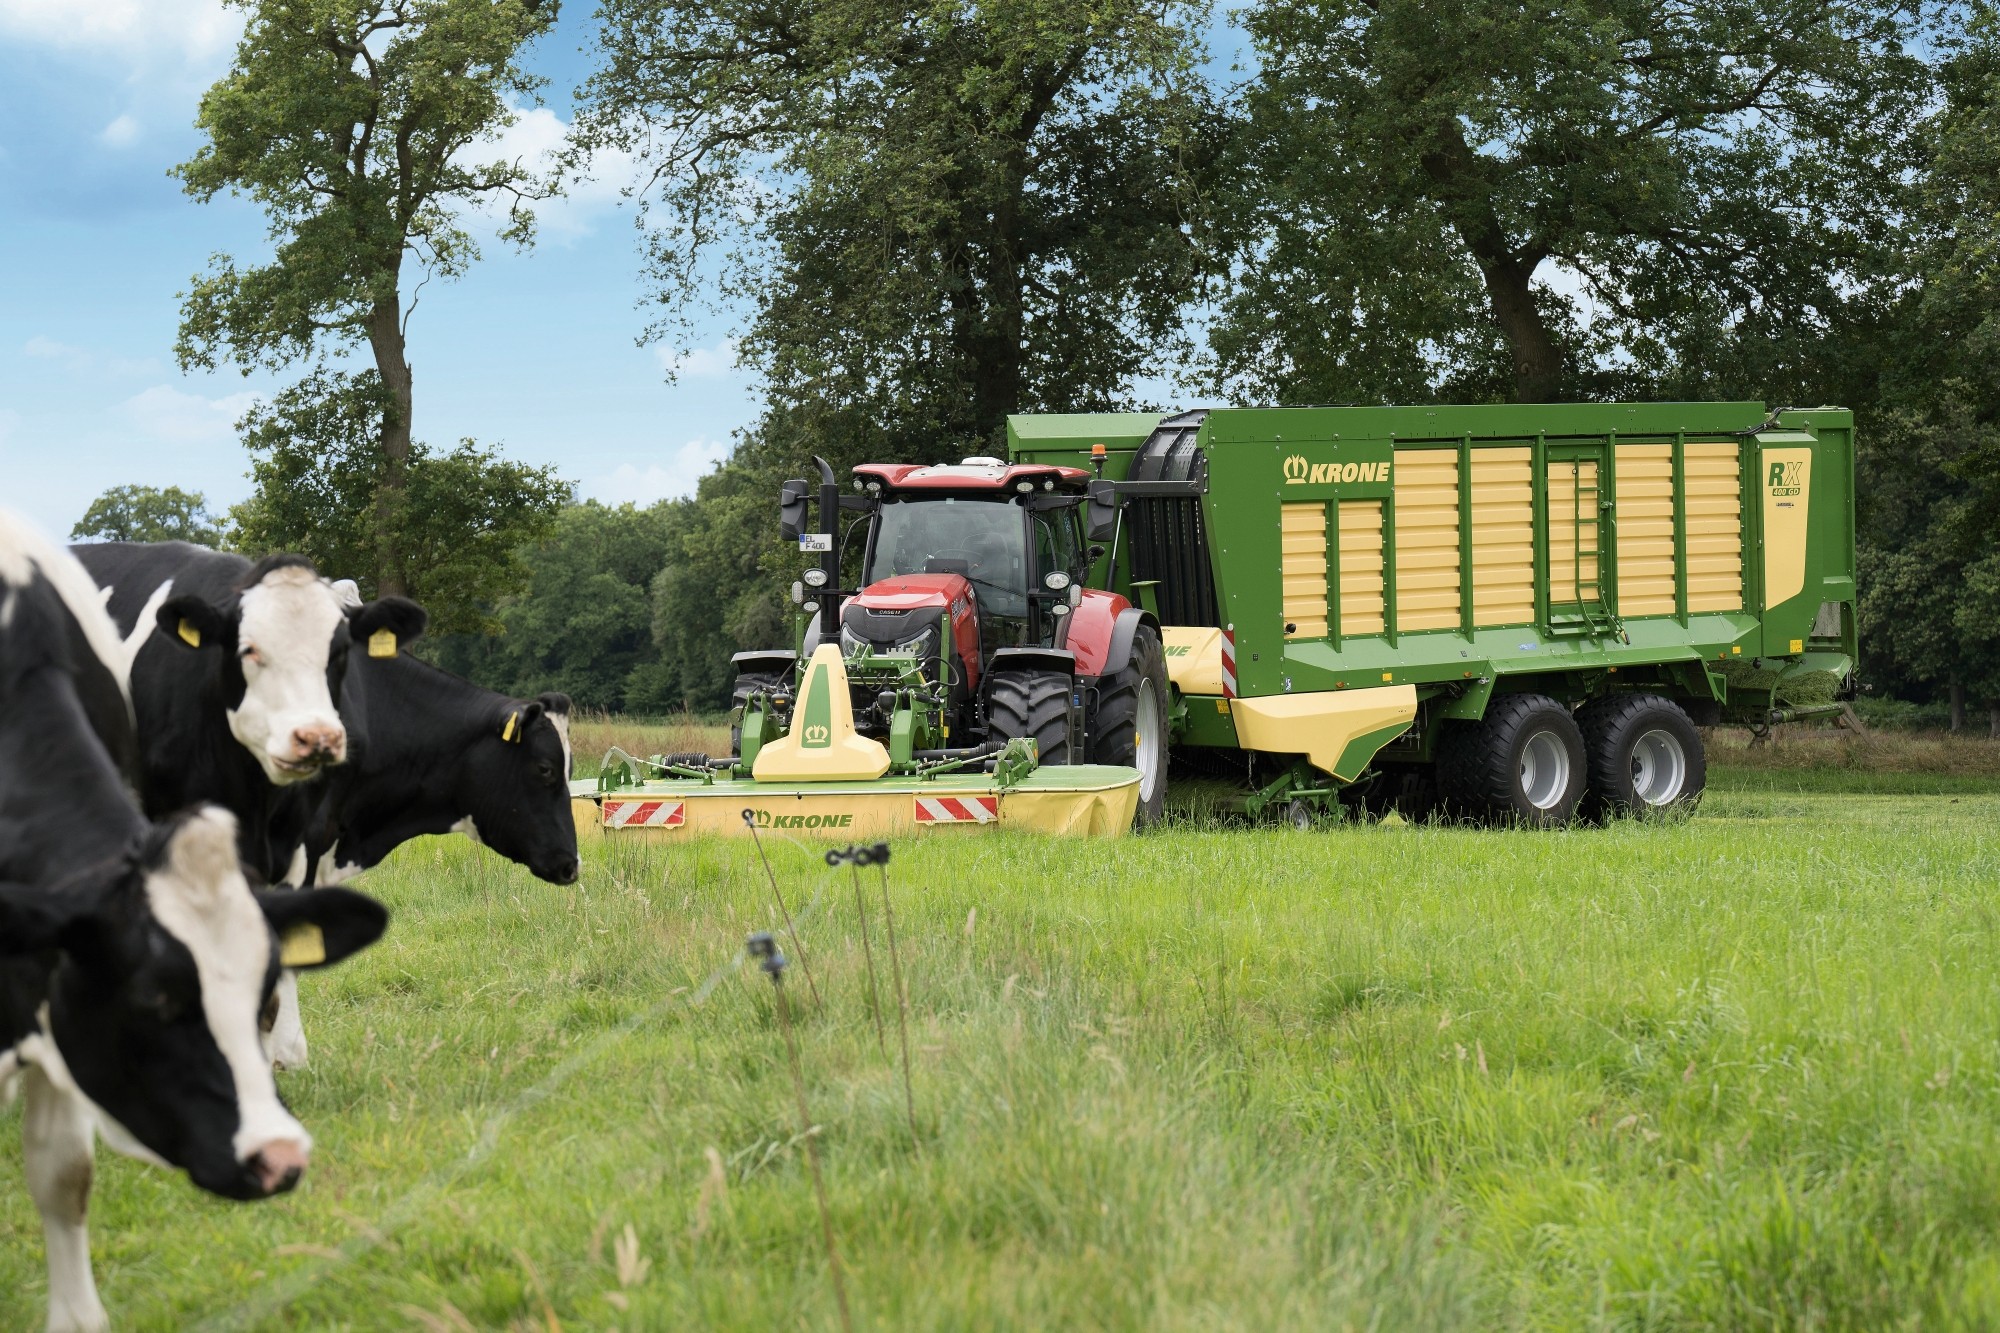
(910, 592)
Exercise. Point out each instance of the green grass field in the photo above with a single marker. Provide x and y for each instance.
(1740, 1072)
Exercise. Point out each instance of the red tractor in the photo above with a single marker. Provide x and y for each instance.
(971, 624)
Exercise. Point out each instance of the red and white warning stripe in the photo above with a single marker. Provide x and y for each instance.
(643, 814)
(958, 809)
(1229, 662)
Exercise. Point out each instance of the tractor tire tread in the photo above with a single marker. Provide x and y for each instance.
(1034, 704)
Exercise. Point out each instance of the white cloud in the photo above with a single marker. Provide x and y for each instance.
(535, 141)
(166, 413)
(698, 362)
(142, 31)
(120, 133)
(48, 349)
(656, 482)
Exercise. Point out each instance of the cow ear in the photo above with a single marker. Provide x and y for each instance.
(31, 920)
(553, 703)
(194, 622)
(387, 625)
(516, 720)
(319, 927)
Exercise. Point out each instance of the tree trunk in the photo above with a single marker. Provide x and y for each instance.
(1993, 720)
(1957, 704)
(1460, 177)
(385, 336)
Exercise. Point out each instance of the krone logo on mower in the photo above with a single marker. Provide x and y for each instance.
(1296, 469)
(765, 819)
(818, 735)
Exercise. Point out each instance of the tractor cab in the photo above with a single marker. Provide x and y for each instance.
(992, 549)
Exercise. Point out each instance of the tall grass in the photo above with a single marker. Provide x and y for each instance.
(1740, 1072)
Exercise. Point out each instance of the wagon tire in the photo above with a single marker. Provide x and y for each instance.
(1034, 704)
(1523, 763)
(1644, 757)
(1130, 726)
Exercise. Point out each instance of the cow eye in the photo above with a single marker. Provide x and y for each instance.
(251, 654)
(163, 1004)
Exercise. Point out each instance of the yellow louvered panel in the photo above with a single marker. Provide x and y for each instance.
(1503, 536)
(1360, 567)
(1573, 564)
(1302, 538)
(1645, 530)
(1426, 539)
(1714, 527)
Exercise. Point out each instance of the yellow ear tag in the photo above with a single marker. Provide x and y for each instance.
(190, 635)
(382, 643)
(302, 945)
(507, 732)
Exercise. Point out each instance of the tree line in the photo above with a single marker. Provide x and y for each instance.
(927, 218)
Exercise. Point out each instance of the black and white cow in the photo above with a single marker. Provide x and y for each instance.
(235, 693)
(134, 958)
(430, 752)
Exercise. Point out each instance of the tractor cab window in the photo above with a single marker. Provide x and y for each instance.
(983, 540)
(1055, 543)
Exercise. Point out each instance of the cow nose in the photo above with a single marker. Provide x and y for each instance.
(278, 1165)
(317, 743)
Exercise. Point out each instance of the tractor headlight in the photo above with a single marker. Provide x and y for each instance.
(851, 643)
(815, 577)
(921, 644)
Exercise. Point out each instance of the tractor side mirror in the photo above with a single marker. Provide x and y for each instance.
(792, 509)
(1100, 517)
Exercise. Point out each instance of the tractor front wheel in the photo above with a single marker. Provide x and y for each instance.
(1034, 704)
(1130, 727)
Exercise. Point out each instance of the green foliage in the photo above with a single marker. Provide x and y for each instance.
(935, 218)
(942, 216)
(458, 524)
(1930, 478)
(149, 514)
(352, 125)
(1715, 1075)
(585, 623)
(1721, 180)
(357, 127)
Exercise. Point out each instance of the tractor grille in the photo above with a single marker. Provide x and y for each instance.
(1169, 538)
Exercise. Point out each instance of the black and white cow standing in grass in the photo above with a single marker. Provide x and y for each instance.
(432, 753)
(134, 958)
(235, 693)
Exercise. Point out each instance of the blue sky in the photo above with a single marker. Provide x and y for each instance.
(533, 353)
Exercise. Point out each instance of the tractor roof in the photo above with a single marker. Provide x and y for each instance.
(974, 474)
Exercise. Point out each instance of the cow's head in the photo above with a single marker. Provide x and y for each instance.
(163, 960)
(284, 637)
(514, 787)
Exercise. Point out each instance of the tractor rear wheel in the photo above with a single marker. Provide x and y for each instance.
(747, 684)
(1523, 763)
(1034, 704)
(1644, 756)
(1130, 726)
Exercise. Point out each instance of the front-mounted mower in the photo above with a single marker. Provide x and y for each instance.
(970, 679)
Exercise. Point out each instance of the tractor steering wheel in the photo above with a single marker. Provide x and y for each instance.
(973, 559)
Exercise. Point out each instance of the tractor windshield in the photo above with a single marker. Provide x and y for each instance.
(985, 540)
